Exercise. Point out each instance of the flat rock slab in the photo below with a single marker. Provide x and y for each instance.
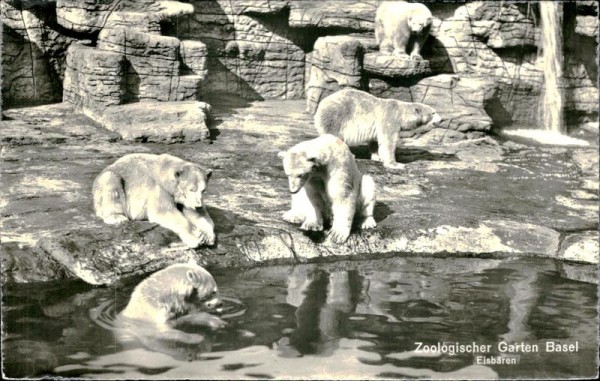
(475, 198)
(164, 122)
(394, 66)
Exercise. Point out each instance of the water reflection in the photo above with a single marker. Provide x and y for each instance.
(323, 302)
(343, 320)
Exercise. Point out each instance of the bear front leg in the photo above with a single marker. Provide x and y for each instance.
(296, 214)
(400, 42)
(415, 54)
(343, 214)
(387, 150)
(367, 202)
(313, 209)
(162, 211)
(203, 224)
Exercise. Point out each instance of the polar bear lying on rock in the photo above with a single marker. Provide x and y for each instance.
(161, 188)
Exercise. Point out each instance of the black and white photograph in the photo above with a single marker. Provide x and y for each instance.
(299, 189)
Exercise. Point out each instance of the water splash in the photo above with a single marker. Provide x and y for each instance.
(551, 101)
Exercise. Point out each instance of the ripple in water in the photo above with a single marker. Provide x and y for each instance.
(106, 313)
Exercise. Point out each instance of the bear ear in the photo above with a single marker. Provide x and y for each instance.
(192, 276)
(180, 171)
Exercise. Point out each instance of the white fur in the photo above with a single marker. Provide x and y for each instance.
(396, 22)
(326, 183)
(145, 186)
(361, 118)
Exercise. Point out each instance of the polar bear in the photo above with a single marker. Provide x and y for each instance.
(178, 293)
(161, 188)
(325, 181)
(361, 118)
(402, 28)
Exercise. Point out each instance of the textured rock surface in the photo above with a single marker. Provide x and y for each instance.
(587, 26)
(389, 65)
(346, 15)
(168, 122)
(580, 248)
(89, 16)
(263, 49)
(334, 64)
(469, 198)
(32, 54)
(460, 101)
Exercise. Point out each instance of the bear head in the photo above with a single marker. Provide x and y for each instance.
(297, 165)
(191, 182)
(202, 288)
(417, 22)
(425, 116)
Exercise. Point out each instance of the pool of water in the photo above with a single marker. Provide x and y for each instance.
(355, 319)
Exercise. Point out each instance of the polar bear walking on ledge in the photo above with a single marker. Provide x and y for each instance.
(161, 188)
(325, 182)
(361, 118)
(402, 28)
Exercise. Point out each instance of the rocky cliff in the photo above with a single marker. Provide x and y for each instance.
(97, 54)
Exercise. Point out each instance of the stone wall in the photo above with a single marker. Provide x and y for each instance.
(283, 49)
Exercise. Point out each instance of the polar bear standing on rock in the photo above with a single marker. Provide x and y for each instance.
(360, 118)
(325, 181)
(161, 188)
(402, 28)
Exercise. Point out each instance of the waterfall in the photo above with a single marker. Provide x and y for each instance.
(550, 111)
(550, 116)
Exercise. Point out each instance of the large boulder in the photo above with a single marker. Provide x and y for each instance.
(390, 65)
(353, 15)
(460, 101)
(165, 122)
(336, 62)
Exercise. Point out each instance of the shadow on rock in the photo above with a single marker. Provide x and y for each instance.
(406, 155)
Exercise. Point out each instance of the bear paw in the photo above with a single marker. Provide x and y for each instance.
(206, 238)
(339, 235)
(292, 217)
(203, 319)
(312, 226)
(115, 219)
(191, 241)
(368, 223)
(394, 165)
(400, 53)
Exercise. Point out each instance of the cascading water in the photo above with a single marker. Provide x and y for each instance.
(550, 114)
(550, 110)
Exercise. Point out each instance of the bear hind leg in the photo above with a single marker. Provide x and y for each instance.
(109, 198)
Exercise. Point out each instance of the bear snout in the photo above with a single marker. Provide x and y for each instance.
(435, 121)
(213, 303)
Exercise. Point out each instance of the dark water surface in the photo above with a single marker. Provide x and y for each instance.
(359, 319)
